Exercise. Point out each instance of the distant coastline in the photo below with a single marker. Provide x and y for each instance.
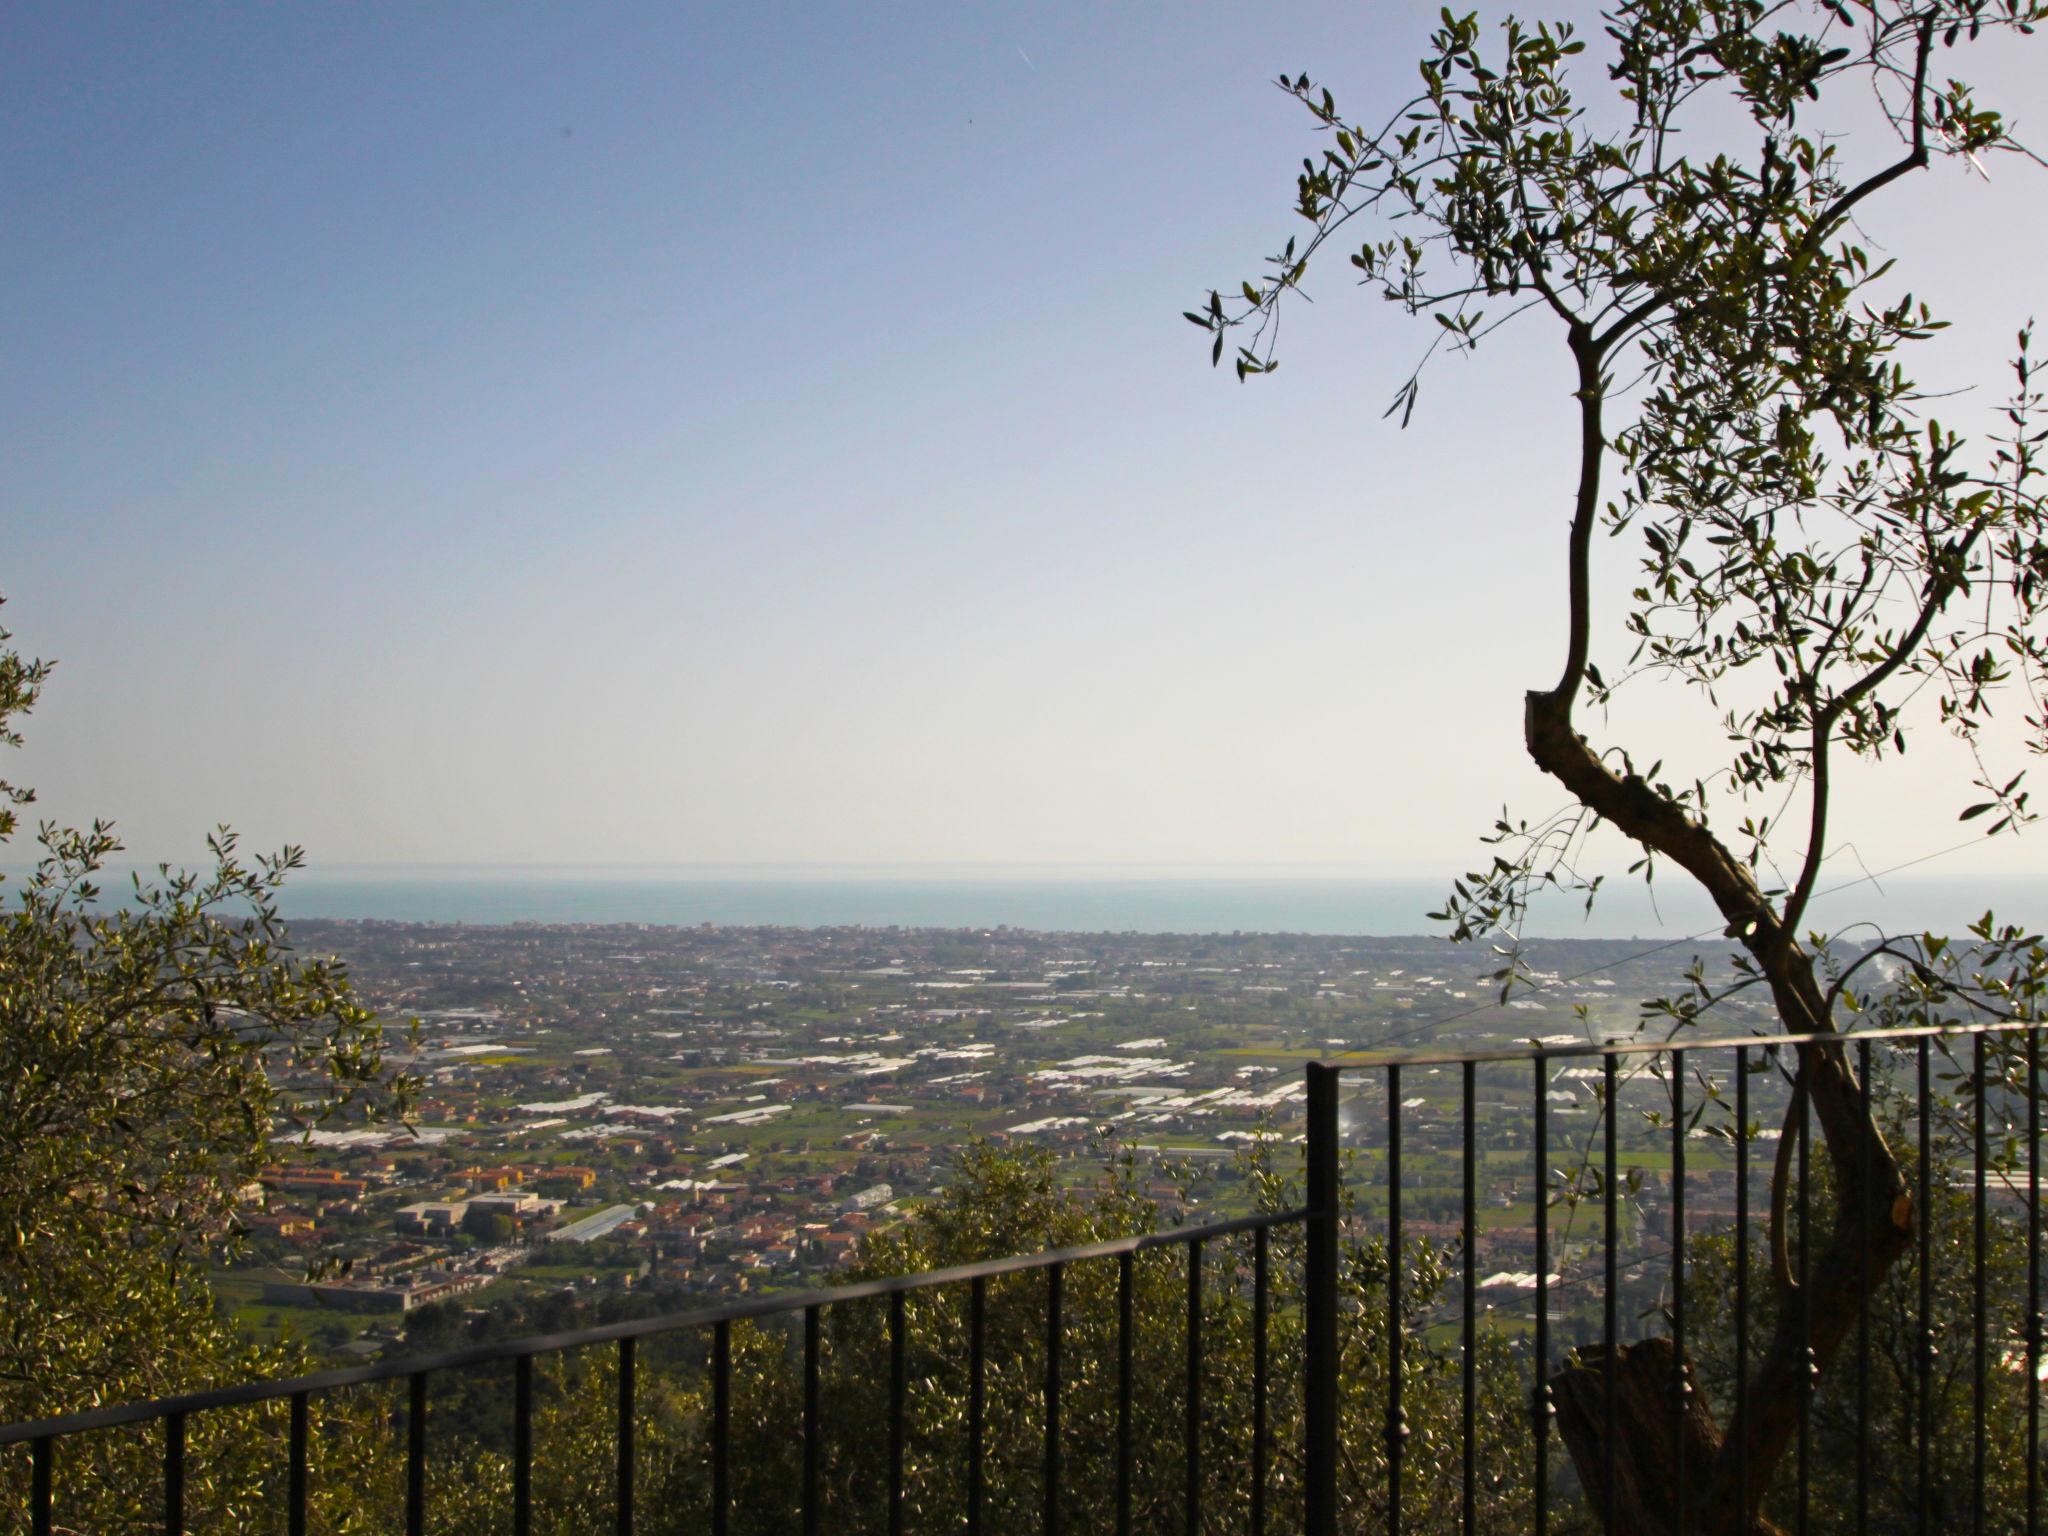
(1099, 899)
(1095, 903)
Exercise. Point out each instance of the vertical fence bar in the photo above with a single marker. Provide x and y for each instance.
(1319, 1307)
(897, 1383)
(1397, 1429)
(1323, 1234)
(1923, 1214)
(416, 1456)
(1809, 1375)
(1863, 1235)
(1191, 1502)
(1740, 1427)
(1055, 1277)
(295, 1474)
(721, 1427)
(1609, 1301)
(2033, 1279)
(1469, 1363)
(1261, 1301)
(1124, 1286)
(522, 1446)
(977, 1394)
(1541, 1401)
(1979, 1449)
(174, 1474)
(1680, 1386)
(41, 1452)
(813, 1430)
(625, 1470)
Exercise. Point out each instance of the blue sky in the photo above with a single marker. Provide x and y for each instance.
(756, 435)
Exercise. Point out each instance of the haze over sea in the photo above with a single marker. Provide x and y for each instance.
(1104, 900)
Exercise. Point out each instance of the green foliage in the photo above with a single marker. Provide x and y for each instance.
(1826, 565)
(1000, 1202)
(489, 1226)
(140, 1046)
(1824, 559)
(1889, 1434)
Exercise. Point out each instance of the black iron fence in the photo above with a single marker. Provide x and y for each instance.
(1917, 1400)
(46, 1439)
(1632, 1181)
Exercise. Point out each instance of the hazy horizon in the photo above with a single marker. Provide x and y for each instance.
(1079, 899)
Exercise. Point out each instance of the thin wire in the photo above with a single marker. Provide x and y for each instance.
(1656, 949)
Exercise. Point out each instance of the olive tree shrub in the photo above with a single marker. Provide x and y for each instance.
(145, 1045)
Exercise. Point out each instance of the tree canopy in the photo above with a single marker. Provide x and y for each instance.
(147, 1038)
(1829, 562)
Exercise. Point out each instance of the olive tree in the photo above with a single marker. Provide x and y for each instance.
(152, 1050)
(1826, 563)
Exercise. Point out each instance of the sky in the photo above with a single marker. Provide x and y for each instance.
(767, 436)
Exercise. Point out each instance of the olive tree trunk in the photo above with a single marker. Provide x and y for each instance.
(1872, 1219)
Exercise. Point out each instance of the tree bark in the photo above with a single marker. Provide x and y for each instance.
(1872, 1218)
(1647, 1464)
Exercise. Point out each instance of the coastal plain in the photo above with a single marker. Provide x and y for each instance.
(690, 1113)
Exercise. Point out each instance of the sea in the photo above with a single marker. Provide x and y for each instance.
(1091, 903)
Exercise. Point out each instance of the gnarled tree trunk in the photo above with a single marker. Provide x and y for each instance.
(1649, 1469)
(1872, 1216)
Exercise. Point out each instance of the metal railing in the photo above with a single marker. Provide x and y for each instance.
(45, 1437)
(1882, 1058)
(1403, 1126)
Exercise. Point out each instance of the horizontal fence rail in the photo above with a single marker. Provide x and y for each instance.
(1675, 1255)
(1675, 1139)
(554, 1343)
(43, 1437)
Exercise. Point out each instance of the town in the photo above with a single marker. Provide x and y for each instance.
(700, 1112)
